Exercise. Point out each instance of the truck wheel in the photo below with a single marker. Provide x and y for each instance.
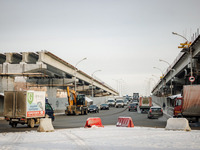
(31, 123)
(14, 125)
(86, 112)
(76, 113)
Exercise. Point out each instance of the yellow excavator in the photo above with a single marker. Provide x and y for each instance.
(77, 103)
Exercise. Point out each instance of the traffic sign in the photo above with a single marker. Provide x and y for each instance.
(191, 78)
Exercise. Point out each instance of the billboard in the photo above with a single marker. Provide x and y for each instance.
(35, 104)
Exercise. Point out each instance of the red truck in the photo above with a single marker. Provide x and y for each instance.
(188, 106)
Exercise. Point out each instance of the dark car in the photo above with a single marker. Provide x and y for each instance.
(49, 110)
(104, 107)
(132, 107)
(93, 108)
(155, 112)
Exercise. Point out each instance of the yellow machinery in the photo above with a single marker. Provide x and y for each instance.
(77, 103)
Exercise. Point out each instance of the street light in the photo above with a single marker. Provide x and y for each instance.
(160, 70)
(93, 80)
(180, 35)
(170, 73)
(190, 49)
(77, 70)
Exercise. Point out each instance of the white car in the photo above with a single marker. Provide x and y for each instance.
(126, 102)
(111, 103)
(119, 103)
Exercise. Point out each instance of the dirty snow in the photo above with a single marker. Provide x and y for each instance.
(109, 137)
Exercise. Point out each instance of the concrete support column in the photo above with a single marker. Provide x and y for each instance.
(6, 83)
(51, 92)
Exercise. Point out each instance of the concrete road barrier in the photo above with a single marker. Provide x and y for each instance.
(125, 122)
(91, 122)
(178, 124)
(45, 125)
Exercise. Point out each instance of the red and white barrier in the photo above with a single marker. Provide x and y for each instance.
(93, 122)
(125, 122)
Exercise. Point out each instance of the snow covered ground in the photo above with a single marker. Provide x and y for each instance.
(109, 137)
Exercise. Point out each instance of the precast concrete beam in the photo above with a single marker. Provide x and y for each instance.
(178, 80)
(22, 68)
(29, 57)
(13, 58)
(50, 81)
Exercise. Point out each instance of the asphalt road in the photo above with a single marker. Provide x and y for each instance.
(108, 117)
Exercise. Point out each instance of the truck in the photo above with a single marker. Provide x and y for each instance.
(145, 103)
(136, 97)
(77, 103)
(188, 105)
(26, 107)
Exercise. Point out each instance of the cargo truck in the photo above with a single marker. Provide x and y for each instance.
(135, 97)
(145, 103)
(188, 105)
(26, 107)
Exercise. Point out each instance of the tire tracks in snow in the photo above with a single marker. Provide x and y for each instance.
(12, 143)
(77, 140)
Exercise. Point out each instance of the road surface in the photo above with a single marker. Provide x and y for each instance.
(108, 117)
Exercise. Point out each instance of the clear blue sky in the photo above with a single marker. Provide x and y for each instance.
(123, 38)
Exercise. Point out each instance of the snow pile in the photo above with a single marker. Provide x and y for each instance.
(109, 137)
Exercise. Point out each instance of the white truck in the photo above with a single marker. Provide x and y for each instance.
(26, 107)
(145, 103)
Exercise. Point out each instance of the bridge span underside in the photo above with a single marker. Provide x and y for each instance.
(45, 71)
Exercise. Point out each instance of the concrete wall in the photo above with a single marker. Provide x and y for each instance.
(160, 100)
(58, 104)
(99, 100)
(6, 84)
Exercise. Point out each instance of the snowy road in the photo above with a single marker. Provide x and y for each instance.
(107, 138)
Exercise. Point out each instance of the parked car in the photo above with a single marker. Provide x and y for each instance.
(111, 102)
(104, 106)
(155, 112)
(93, 108)
(133, 106)
(126, 102)
(119, 103)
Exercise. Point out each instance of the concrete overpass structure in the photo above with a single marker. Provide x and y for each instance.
(46, 70)
(179, 72)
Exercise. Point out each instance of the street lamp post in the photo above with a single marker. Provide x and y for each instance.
(162, 76)
(93, 81)
(190, 52)
(170, 73)
(77, 70)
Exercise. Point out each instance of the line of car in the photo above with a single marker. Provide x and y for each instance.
(118, 103)
(154, 111)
